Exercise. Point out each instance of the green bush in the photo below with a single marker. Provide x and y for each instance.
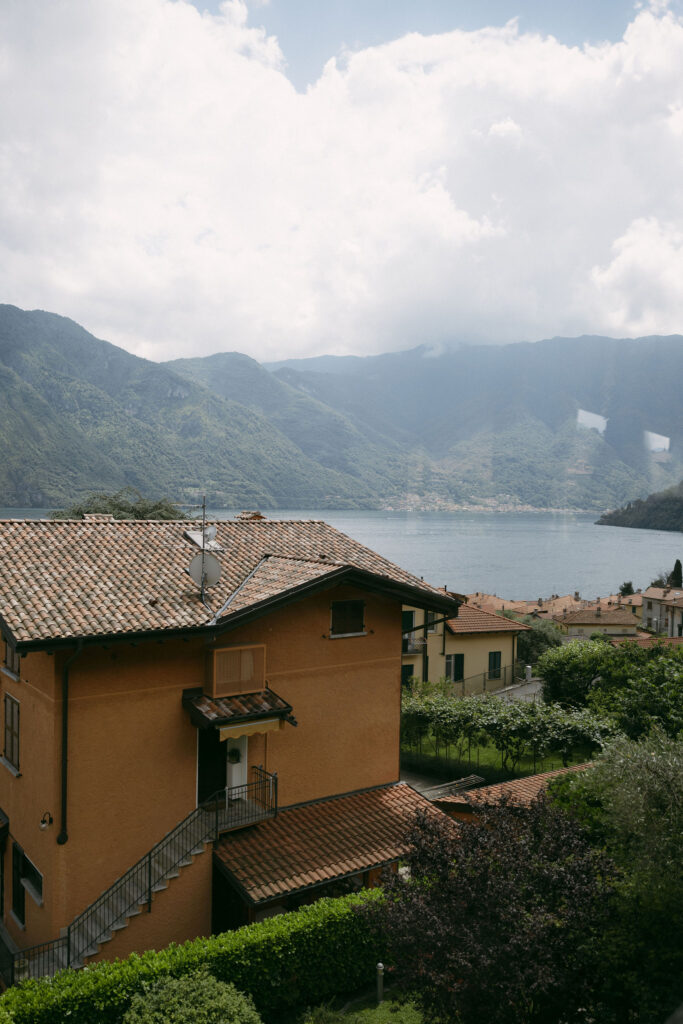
(191, 999)
(285, 962)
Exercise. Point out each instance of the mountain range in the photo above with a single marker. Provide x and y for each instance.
(491, 426)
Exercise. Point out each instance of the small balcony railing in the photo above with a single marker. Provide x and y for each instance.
(413, 644)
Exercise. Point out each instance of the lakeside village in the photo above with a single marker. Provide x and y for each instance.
(212, 726)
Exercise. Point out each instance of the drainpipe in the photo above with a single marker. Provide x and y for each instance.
(63, 835)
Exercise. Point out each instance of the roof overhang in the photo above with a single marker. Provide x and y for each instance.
(338, 576)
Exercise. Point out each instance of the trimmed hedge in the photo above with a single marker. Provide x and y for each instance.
(293, 960)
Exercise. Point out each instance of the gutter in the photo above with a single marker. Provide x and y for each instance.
(63, 834)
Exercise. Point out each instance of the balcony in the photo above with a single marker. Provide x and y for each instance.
(413, 644)
(240, 806)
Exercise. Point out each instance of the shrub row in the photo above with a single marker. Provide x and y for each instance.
(293, 960)
(516, 728)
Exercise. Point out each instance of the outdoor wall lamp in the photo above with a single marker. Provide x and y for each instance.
(46, 820)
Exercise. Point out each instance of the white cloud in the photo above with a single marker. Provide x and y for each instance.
(162, 182)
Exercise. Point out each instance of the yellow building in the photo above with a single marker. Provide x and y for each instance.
(617, 621)
(149, 719)
(476, 650)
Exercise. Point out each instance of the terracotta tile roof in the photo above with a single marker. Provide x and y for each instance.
(591, 616)
(474, 620)
(72, 578)
(223, 710)
(647, 641)
(318, 842)
(518, 791)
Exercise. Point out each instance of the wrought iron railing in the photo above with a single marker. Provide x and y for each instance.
(230, 808)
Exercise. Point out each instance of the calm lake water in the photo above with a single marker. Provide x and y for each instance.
(515, 555)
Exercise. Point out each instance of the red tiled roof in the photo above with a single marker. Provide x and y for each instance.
(236, 708)
(474, 620)
(590, 616)
(647, 641)
(79, 578)
(518, 791)
(320, 842)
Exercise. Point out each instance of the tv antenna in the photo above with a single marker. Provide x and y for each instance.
(205, 569)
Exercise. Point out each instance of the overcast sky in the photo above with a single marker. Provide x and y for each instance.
(308, 176)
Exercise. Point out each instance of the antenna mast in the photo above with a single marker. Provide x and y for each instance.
(203, 546)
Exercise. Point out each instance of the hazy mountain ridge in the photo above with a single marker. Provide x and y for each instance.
(474, 425)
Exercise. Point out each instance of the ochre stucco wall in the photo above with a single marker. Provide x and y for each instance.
(180, 912)
(132, 769)
(25, 798)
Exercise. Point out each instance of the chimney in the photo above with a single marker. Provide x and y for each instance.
(577, 596)
(598, 611)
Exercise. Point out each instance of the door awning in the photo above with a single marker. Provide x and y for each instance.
(239, 714)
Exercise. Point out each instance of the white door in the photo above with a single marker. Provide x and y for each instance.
(237, 762)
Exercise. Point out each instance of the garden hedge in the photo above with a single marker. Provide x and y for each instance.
(293, 960)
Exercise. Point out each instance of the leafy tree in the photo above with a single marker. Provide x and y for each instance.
(651, 695)
(125, 504)
(630, 803)
(497, 920)
(626, 588)
(541, 636)
(568, 671)
(189, 999)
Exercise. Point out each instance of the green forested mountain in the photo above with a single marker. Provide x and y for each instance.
(80, 414)
(660, 511)
(495, 424)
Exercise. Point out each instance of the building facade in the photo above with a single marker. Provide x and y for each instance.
(149, 719)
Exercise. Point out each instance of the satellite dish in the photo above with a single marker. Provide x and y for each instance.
(211, 567)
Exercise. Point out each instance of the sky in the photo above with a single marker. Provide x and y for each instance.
(298, 177)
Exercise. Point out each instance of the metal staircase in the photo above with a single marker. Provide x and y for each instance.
(133, 892)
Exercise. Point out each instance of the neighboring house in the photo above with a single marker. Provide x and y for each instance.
(139, 705)
(596, 619)
(519, 792)
(662, 608)
(476, 650)
(541, 608)
(647, 641)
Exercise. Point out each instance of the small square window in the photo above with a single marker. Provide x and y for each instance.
(348, 618)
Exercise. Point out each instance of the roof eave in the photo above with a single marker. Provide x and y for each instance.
(403, 592)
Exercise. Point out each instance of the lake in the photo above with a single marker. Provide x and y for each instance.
(513, 554)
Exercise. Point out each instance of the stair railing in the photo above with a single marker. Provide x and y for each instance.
(226, 809)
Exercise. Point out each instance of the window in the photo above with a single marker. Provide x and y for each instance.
(407, 673)
(11, 749)
(25, 878)
(430, 618)
(407, 628)
(11, 658)
(238, 670)
(348, 618)
(494, 664)
(455, 667)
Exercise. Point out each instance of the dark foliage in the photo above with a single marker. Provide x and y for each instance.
(630, 804)
(541, 636)
(498, 920)
(660, 511)
(125, 504)
(626, 588)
